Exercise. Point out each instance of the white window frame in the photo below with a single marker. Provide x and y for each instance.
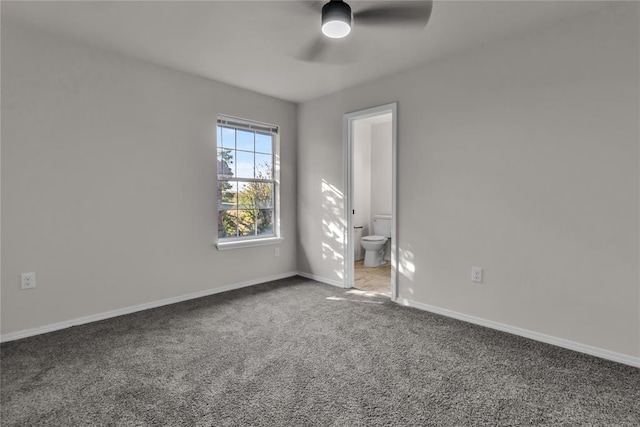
(227, 243)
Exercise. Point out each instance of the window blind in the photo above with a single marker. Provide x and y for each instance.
(247, 124)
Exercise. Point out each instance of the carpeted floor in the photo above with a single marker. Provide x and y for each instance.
(298, 353)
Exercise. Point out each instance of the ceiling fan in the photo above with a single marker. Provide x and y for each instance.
(337, 20)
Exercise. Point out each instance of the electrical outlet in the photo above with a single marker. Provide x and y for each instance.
(28, 281)
(276, 252)
(476, 274)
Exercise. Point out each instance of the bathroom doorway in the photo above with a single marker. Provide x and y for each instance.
(370, 170)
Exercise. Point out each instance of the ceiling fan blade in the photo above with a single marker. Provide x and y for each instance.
(315, 51)
(315, 6)
(398, 13)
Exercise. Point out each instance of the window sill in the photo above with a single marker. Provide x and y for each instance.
(237, 244)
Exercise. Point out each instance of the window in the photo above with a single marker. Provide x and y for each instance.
(247, 183)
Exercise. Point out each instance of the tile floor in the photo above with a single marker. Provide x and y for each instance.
(373, 279)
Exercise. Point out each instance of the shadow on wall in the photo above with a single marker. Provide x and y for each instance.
(406, 266)
(333, 226)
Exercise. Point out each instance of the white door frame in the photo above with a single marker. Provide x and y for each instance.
(347, 136)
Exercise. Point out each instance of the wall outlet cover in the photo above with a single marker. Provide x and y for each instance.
(27, 280)
(476, 274)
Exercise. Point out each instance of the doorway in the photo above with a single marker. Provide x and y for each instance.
(370, 152)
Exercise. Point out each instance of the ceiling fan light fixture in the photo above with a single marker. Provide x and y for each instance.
(336, 19)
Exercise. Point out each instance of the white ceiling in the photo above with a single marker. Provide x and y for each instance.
(255, 44)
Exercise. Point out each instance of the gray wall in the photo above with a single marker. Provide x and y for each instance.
(372, 172)
(362, 176)
(520, 156)
(381, 170)
(108, 181)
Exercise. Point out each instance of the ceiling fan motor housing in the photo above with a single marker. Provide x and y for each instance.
(336, 10)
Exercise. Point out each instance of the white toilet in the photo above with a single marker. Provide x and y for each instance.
(374, 244)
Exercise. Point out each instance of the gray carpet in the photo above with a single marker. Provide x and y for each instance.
(295, 352)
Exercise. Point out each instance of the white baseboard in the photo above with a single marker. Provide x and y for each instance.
(140, 307)
(321, 279)
(560, 342)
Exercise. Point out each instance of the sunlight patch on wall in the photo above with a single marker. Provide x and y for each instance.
(333, 227)
(407, 267)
